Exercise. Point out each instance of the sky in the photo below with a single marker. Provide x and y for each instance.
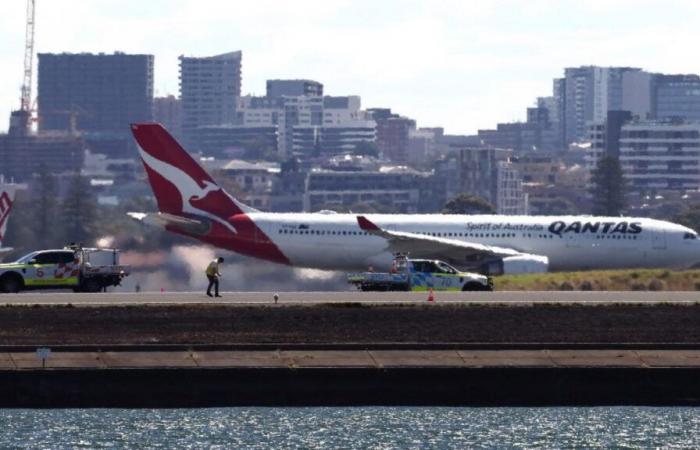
(460, 64)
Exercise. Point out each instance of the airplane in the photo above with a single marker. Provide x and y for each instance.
(6, 201)
(192, 204)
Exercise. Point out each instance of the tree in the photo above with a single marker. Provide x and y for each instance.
(608, 187)
(45, 200)
(79, 212)
(258, 148)
(468, 204)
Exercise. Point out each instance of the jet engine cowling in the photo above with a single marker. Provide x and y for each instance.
(514, 265)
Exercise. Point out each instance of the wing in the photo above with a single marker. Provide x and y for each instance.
(455, 251)
(165, 220)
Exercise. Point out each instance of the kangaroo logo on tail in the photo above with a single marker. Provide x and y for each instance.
(179, 183)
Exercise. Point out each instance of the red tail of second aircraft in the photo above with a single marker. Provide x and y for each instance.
(5, 207)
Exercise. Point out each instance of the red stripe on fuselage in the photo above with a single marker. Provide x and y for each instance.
(248, 240)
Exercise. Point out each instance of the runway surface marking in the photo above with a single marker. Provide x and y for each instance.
(375, 298)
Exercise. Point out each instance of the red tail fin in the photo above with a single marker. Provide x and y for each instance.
(5, 207)
(180, 184)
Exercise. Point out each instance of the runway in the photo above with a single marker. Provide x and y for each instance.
(369, 298)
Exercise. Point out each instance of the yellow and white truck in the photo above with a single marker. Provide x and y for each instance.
(72, 267)
(409, 274)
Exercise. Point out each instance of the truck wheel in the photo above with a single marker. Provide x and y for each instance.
(474, 286)
(91, 285)
(11, 284)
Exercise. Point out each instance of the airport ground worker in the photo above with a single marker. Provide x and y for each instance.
(213, 275)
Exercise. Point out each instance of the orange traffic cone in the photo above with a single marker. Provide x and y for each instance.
(431, 296)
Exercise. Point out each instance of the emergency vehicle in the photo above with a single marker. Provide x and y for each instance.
(420, 275)
(73, 267)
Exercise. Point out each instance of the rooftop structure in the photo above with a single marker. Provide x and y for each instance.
(293, 88)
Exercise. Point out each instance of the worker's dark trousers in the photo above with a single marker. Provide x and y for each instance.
(213, 281)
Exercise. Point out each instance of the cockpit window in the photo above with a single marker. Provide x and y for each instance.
(690, 236)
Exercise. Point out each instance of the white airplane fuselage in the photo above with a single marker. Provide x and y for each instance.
(190, 202)
(336, 242)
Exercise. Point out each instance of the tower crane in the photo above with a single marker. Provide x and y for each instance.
(28, 58)
(20, 120)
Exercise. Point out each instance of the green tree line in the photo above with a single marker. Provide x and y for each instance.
(41, 219)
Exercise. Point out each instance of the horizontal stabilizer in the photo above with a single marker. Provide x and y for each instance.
(186, 224)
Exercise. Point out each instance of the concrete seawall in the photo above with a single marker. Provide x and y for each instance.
(351, 377)
(350, 354)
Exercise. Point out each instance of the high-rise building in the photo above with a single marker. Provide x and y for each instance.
(637, 93)
(393, 134)
(478, 169)
(590, 92)
(21, 155)
(310, 125)
(421, 146)
(294, 88)
(661, 155)
(94, 92)
(676, 96)
(510, 198)
(398, 188)
(167, 111)
(604, 137)
(209, 90)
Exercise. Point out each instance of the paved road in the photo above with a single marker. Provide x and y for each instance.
(248, 298)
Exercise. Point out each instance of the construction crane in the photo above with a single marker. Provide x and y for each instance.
(28, 58)
(20, 120)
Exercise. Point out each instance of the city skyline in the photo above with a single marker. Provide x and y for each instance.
(463, 67)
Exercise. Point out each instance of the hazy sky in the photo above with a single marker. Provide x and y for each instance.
(462, 64)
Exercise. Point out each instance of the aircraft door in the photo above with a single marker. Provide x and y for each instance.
(658, 240)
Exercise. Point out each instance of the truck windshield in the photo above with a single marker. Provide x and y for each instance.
(446, 268)
(25, 258)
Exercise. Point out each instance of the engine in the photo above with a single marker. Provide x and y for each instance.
(513, 265)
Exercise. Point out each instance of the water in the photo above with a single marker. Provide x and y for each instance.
(352, 428)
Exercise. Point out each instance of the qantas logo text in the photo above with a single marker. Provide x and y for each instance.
(560, 227)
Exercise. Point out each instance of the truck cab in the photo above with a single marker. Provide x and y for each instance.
(434, 274)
